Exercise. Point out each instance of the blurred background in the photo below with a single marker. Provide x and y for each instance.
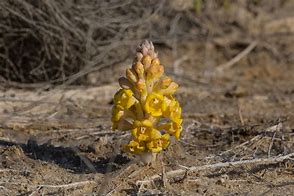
(223, 53)
(91, 42)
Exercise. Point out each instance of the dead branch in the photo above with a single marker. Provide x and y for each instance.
(261, 161)
(8, 170)
(237, 58)
(54, 42)
(258, 137)
(67, 186)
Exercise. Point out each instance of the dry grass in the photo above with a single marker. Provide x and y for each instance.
(56, 42)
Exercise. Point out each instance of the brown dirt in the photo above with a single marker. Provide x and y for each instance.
(59, 142)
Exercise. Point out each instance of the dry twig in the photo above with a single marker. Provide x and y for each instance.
(67, 186)
(237, 58)
(177, 172)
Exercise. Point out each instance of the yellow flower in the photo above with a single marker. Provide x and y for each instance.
(120, 118)
(124, 98)
(144, 131)
(173, 110)
(135, 147)
(117, 113)
(155, 104)
(172, 128)
(159, 144)
(165, 141)
(166, 86)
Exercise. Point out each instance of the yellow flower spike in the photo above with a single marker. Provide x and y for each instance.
(124, 98)
(155, 104)
(145, 105)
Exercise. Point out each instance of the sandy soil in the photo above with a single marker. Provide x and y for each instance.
(60, 142)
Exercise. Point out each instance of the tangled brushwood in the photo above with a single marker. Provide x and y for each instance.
(145, 104)
(39, 42)
(60, 42)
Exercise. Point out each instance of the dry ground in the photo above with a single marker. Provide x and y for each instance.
(60, 142)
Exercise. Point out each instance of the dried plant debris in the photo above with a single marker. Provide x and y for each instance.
(51, 41)
(76, 42)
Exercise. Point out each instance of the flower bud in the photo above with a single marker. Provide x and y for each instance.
(155, 72)
(139, 56)
(125, 83)
(131, 75)
(146, 60)
(171, 89)
(139, 68)
(155, 61)
(141, 85)
(165, 82)
(124, 98)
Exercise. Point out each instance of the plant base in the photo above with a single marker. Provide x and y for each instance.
(147, 157)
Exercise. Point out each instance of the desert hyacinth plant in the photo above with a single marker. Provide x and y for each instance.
(145, 105)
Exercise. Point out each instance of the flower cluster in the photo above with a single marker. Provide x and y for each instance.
(145, 104)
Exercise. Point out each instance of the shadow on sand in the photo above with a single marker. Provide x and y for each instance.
(70, 157)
